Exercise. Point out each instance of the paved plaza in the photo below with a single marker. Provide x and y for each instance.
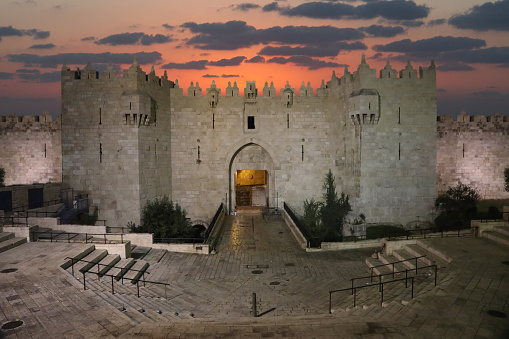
(210, 296)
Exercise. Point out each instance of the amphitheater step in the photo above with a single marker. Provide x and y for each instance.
(77, 257)
(121, 268)
(90, 261)
(434, 251)
(105, 265)
(429, 259)
(502, 229)
(11, 243)
(154, 255)
(139, 252)
(6, 236)
(137, 271)
(497, 237)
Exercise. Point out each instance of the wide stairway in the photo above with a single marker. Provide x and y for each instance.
(9, 240)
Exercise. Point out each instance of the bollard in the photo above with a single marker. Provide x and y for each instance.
(255, 312)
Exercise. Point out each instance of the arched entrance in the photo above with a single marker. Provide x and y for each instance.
(251, 176)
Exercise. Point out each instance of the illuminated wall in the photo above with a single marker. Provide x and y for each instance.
(31, 150)
(473, 150)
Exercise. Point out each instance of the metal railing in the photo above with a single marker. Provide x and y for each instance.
(397, 262)
(47, 203)
(214, 220)
(178, 240)
(92, 238)
(381, 283)
(14, 221)
(121, 278)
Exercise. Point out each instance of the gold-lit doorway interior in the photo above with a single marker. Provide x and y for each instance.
(251, 192)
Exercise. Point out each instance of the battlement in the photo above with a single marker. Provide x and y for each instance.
(33, 119)
(133, 73)
(464, 118)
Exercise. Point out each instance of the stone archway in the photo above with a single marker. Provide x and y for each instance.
(251, 174)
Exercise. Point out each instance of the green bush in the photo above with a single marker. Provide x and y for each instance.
(385, 231)
(459, 203)
(164, 219)
(446, 221)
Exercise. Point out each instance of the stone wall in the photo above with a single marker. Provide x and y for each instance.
(473, 150)
(31, 150)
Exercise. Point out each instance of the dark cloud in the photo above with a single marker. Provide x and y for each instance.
(42, 46)
(6, 76)
(486, 94)
(325, 51)
(228, 62)
(410, 23)
(168, 26)
(233, 35)
(30, 106)
(230, 76)
(304, 61)
(492, 55)
(198, 64)
(437, 22)
(88, 38)
(244, 7)
(455, 67)
(53, 61)
(28, 71)
(435, 44)
(383, 31)
(256, 59)
(210, 76)
(390, 10)
(273, 7)
(134, 39)
(488, 16)
(34, 33)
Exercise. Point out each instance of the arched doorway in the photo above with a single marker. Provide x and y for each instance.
(251, 176)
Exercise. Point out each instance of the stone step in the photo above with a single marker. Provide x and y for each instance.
(121, 268)
(79, 256)
(380, 270)
(391, 263)
(11, 243)
(429, 259)
(90, 260)
(139, 252)
(434, 251)
(154, 255)
(6, 236)
(136, 272)
(105, 265)
(497, 237)
(410, 259)
(502, 229)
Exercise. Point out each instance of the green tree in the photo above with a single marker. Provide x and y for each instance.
(506, 178)
(326, 219)
(2, 177)
(164, 219)
(456, 203)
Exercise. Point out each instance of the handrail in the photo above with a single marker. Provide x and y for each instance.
(75, 234)
(397, 262)
(123, 269)
(178, 240)
(380, 283)
(381, 289)
(44, 203)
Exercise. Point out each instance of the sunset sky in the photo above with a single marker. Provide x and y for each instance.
(224, 40)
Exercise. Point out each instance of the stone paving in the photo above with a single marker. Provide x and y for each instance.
(258, 256)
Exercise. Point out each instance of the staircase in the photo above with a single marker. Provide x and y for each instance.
(8, 241)
(402, 263)
(499, 234)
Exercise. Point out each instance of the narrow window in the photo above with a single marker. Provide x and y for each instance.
(389, 75)
(463, 150)
(250, 122)
(155, 150)
(194, 93)
(213, 121)
(100, 116)
(100, 152)
(198, 153)
(287, 120)
(369, 106)
(302, 153)
(399, 115)
(127, 119)
(130, 106)
(44, 150)
(399, 151)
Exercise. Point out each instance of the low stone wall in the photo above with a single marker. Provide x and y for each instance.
(337, 246)
(486, 225)
(124, 250)
(21, 231)
(295, 230)
(184, 248)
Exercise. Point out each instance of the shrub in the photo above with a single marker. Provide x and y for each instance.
(458, 201)
(164, 219)
(385, 231)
